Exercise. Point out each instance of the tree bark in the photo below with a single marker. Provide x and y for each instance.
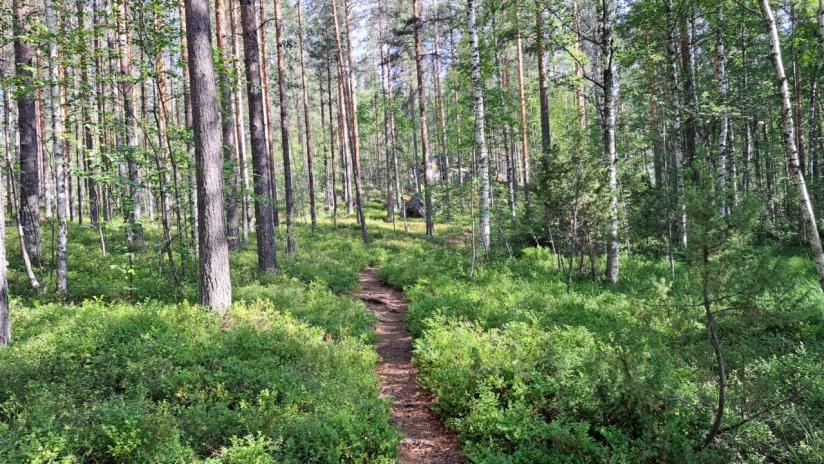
(788, 131)
(350, 98)
(525, 171)
(386, 92)
(291, 245)
(427, 179)
(264, 211)
(267, 111)
(546, 140)
(134, 230)
(214, 283)
(306, 121)
(227, 128)
(5, 324)
(723, 90)
(480, 123)
(62, 275)
(240, 133)
(27, 130)
(610, 154)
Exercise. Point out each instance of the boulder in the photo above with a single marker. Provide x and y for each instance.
(415, 207)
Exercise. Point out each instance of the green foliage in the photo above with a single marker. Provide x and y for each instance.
(286, 376)
(528, 372)
(160, 383)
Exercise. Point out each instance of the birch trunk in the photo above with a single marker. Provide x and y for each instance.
(788, 132)
(610, 154)
(62, 275)
(480, 129)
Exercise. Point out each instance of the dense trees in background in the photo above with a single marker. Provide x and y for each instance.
(580, 125)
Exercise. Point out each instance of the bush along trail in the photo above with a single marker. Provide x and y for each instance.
(425, 438)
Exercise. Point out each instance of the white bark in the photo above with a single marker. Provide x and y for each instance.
(610, 152)
(723, 136)
(480, 129)
(57, 151)
(788, 131)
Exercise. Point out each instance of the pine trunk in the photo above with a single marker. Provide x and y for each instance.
(261, 172)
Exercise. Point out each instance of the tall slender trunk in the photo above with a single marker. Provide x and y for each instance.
(62, 275)
(86, 123)
(525, 171)
(354, 134)
(27, 131)
(691, 97)
(308, 148)
(427, 180)
(350, 98)
(788, 131)
(546, 140)
(264, 210)
(134, 232)
(441, 117)
(291, 245)
(240, 133)
(723, 90)
(386, 93)
(227, 128)
(480, 123)
(5, 324)
(610, 154)
(333, 165)
(267, 111)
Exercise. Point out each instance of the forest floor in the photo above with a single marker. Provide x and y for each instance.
(425, 438)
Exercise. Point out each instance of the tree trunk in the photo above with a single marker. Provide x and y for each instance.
(610, 154)
(62, 275)
(308, 148)
(522, 107)
(86, 123)
(240, 133)
(441, 117)
(227, 128)
(5, 324)
(267, 112)
(333, 165)
(691, 97)
(546, 140)
(723, 90)
(788, 131)
(291, 245)
(215, 287)
(264, 211)
(134, 230)
(480, 116)
(27, 130)
(350, 98)
(386, 93)
(427, 180)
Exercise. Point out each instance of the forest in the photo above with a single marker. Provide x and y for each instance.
(411, 231)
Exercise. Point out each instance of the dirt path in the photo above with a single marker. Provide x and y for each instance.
(426, 440)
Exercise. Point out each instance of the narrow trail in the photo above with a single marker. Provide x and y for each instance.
(425, 438)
